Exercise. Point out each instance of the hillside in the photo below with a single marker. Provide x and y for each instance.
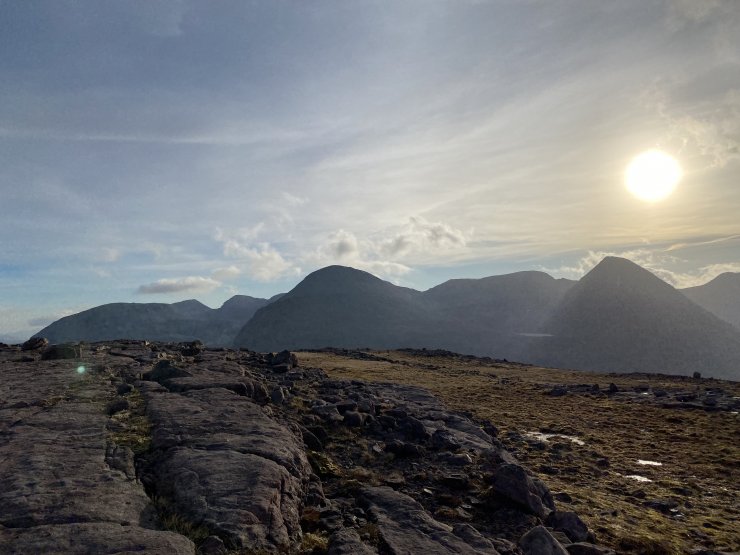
(341, 307)
(182, 321)
(621, 318)
(344, 307)
(721, 297)
(493, 316)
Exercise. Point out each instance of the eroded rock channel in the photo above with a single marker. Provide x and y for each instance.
(136, 447)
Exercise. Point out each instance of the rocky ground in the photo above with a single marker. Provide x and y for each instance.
(594, 439)
(135, 447)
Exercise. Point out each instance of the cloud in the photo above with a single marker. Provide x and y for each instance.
(344, 247)
(45, 320)
(656, 261)
(263, 262)
(690, 244)
(293, 200)
(226, 273)
(190, 283)
(109, 255)
(698, 119)
(421, 236)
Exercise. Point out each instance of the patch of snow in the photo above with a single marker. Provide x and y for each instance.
(547, 437)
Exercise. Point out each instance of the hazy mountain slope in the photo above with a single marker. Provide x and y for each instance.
(721, 297)
(493, 315)
(182, 321)
(344, 307)
(620, 317)
(341, 307)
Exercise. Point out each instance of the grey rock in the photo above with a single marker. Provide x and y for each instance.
(569, 523)
(472, 537)
(347, 542)
(406, 527)
(513, 482)
(311, 441)
(212, 545)
(59, 468)
(226, 464)
(124, 389)
(539, 541)
(284, 358)
(354, 419)
(277, 395)
(92, 538)
(218, 419)
(403, 449)
(35, 344)
(164, 371)
(61, 352)
(121, 458)
(442, 439)
(252, 501)
(118, 405)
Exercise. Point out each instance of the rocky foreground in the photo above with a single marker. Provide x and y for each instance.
(136, 447)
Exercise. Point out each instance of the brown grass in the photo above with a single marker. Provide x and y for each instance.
(700, 451)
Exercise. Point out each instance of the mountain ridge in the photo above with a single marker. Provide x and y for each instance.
(527, 316)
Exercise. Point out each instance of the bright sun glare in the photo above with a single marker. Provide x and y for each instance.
(653, 175)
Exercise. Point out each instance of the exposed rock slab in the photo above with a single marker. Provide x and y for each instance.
(406, 527)
(58, 492)
(226, 465)
(249, 501)
(92, 539)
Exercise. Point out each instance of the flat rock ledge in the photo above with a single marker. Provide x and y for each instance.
(136, 447)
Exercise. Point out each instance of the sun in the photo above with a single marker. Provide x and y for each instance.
(652, 175)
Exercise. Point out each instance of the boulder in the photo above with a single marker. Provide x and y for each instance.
(284, 358)
(569, 523)
(65, 351)
(35, 344)
(512, 482)
(347, 542)
(539, 541)
(405, 527)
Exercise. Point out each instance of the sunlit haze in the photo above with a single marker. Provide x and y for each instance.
(159, 151)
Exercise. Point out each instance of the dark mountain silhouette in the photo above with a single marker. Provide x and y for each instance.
(182, 321)
(621, 318)
(721, 297)
(494, 315)
(344, 307)
(341, 307)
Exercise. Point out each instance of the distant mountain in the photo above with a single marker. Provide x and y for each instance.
(621, 318)
(340, 307)
(721, 297)
(343, 307)
(494, 315)
(182, 321)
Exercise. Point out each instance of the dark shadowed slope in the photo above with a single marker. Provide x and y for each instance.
(622, 318)
(183, 321)
(339, 307)
(494, 315)
(344, 307)
(721, 297)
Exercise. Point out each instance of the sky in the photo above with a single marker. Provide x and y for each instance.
(154, 151)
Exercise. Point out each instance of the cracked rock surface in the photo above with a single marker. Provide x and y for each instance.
(173, 448)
